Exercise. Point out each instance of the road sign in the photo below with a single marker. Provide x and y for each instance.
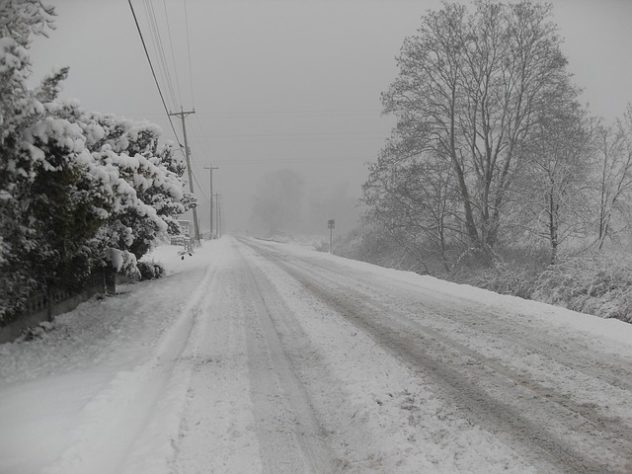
(331, 223)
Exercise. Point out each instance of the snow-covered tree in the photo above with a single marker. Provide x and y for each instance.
(20, 21)
(152, 170)
(614, 177)
(411, 195)
(78, 190)
(471, 79)
(551, 198)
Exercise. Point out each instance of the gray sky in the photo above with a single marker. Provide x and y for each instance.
(288, 83)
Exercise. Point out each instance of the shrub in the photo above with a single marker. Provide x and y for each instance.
(594, 283)
(150, 270)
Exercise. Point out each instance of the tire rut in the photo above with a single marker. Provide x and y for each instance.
(618, 377)
(477, 391)
(290, 435)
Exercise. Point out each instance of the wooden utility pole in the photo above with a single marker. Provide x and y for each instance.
(331, 223)
(218, 221)
(210, 179)
(187, 154)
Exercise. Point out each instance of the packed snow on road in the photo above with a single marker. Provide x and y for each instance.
(255, 356)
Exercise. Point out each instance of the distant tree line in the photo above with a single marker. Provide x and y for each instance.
(492, 147)
(79, 191)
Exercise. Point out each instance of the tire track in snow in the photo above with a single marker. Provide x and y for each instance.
(442, 359)
(290, 436)
(614, 369)
(215, 432)
(605, 373)
(599, 421)
(594, 370)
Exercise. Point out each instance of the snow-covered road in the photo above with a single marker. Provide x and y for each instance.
(254, 356)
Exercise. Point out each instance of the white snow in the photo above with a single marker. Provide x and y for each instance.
(613, 329)
(93, 378)
(232, 364)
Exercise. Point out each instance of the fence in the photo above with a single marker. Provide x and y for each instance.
(44, 306)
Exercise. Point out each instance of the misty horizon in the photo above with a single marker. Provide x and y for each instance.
(286, 85)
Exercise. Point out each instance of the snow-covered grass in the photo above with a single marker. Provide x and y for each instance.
(614, 329)
(598, 283)
(592, 282)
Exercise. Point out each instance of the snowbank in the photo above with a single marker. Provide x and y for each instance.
(560, 317)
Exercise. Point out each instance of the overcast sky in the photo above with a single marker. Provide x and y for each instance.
(287, 83)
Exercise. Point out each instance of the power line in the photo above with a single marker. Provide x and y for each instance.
(186, 24)
(153, 72)
(200, 188)
(360, 134)
(173, 55)
(301, 114)
(321, 164)
(202, 117)
(162, 61)
(187, 155)
(153, 42)
(202, 136)
(160, 50)
(159, 47)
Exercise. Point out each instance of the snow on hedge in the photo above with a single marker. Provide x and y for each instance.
(79, 190)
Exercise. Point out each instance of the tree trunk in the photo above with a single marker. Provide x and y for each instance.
(553, 228)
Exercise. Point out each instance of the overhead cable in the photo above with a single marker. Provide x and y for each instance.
(153, 72)
(186, 24)
(173, 55)
(160, 50)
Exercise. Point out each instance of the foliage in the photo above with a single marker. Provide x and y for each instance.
(373, 244)
(78, 190)
(19, 109)
(150, 270)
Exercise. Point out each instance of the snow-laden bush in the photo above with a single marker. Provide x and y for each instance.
(598, 283)
(78, 191)
(19, 109)
(150, 270)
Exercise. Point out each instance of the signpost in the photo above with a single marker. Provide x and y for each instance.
(332, 225)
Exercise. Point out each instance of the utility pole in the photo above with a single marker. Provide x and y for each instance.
(187, 153)
(210, 179)
(331, 223)
(218, 220)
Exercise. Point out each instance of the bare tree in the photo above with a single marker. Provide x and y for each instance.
(553, 190)
(614, 161)
(472, 82)
(411, 194)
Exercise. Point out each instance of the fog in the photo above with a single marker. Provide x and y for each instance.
(286, 89)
